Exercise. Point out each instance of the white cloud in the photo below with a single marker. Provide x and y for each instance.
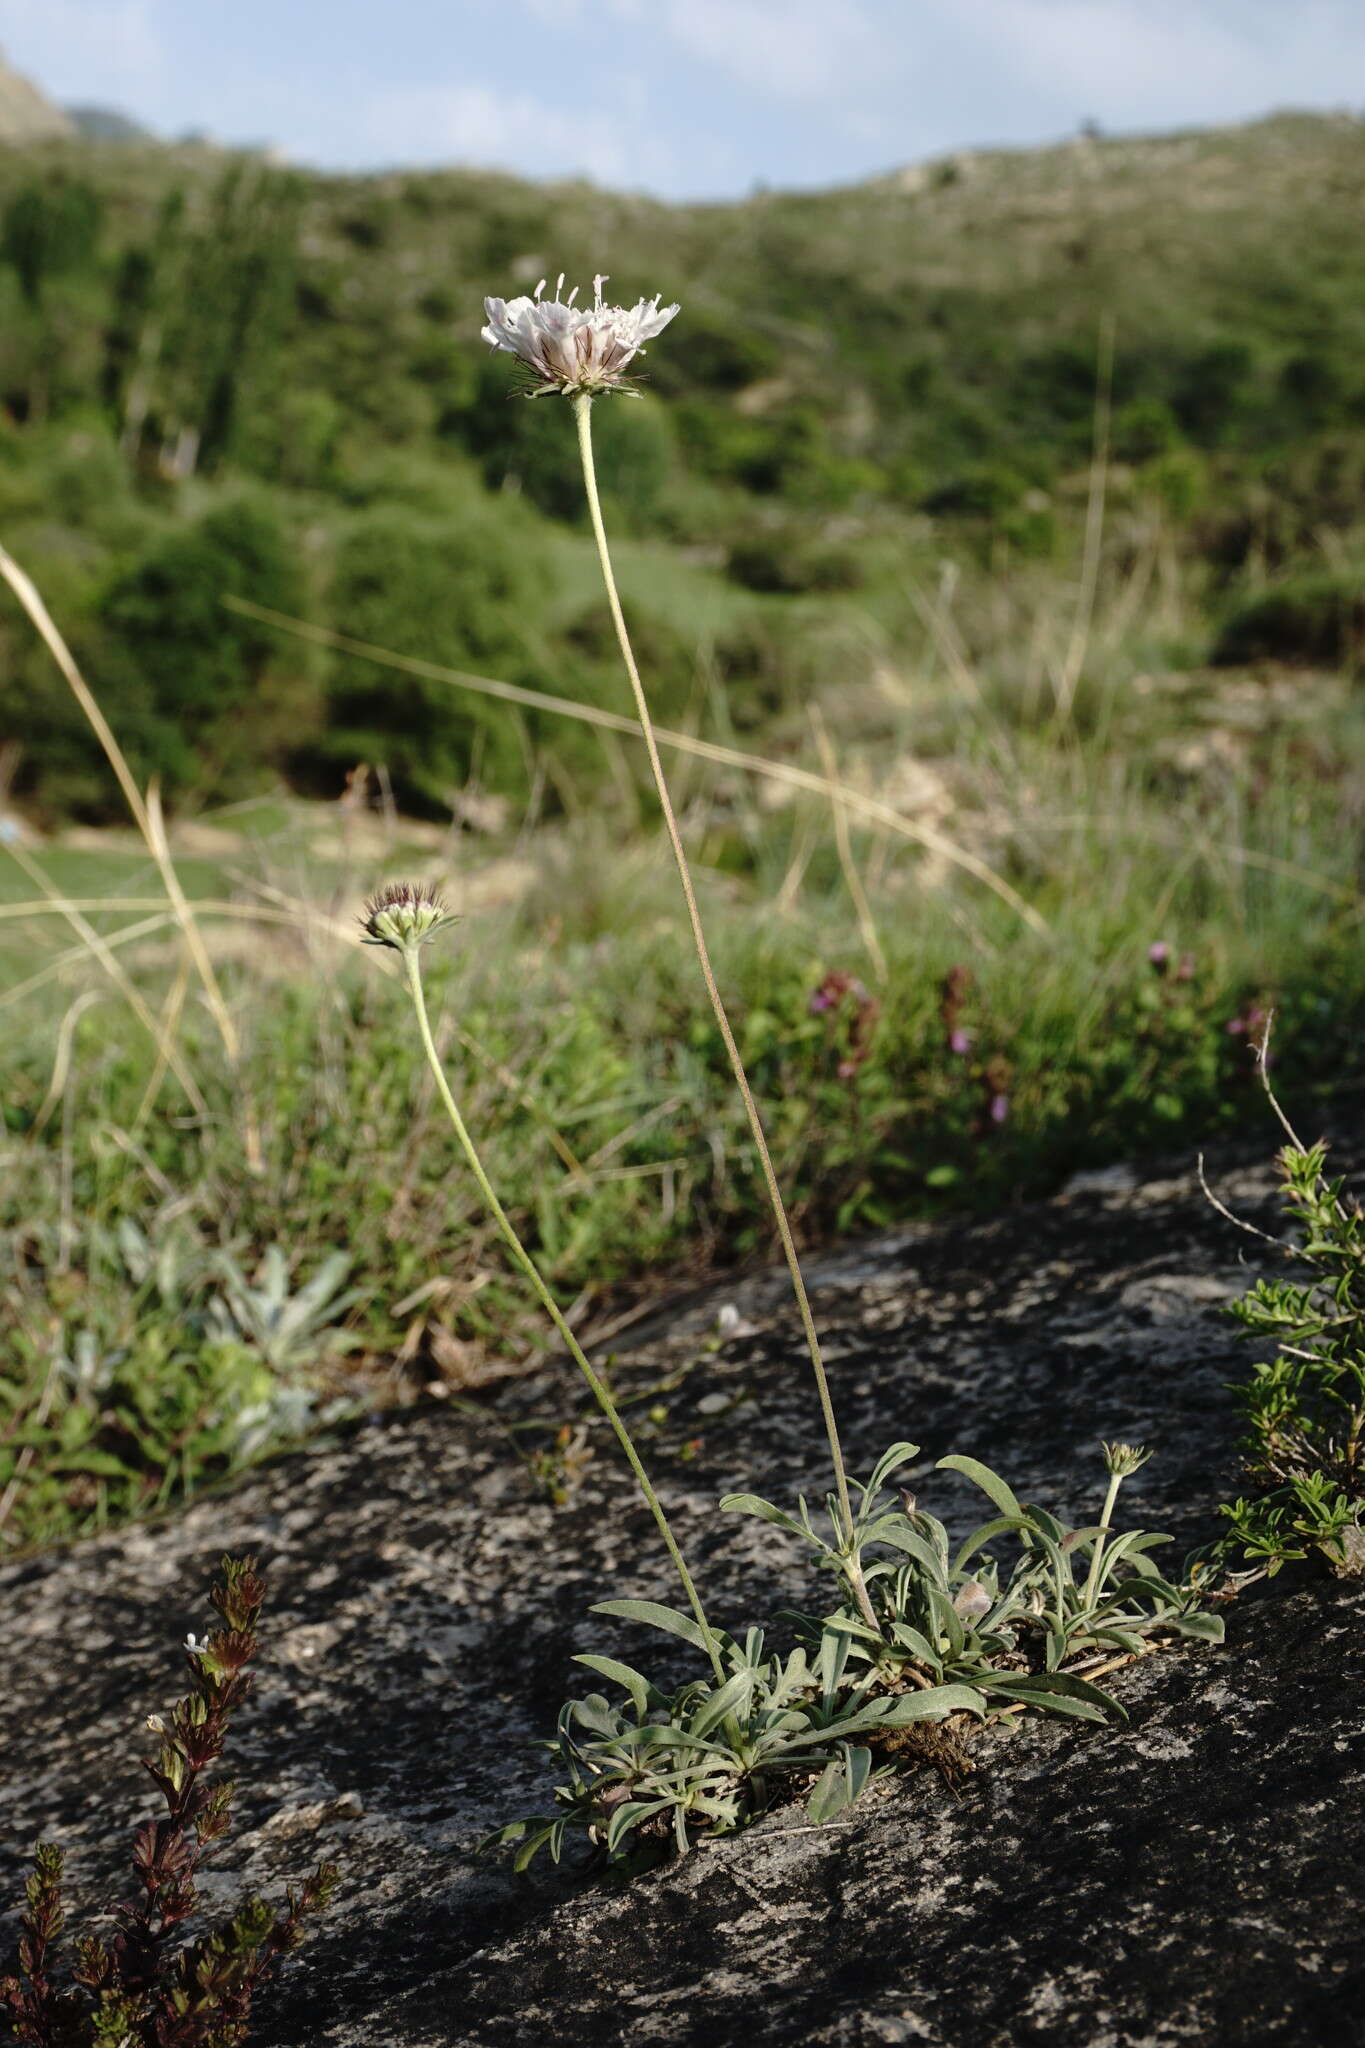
(781, 49)
(483, 124)
(791, 49)
(1151, 59)
(63, 44)
(863, 60)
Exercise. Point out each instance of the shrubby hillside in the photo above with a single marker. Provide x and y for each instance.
(220, 377)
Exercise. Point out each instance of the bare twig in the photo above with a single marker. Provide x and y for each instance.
(1238, 1222)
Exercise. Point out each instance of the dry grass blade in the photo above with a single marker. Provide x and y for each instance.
(100, 949)
(867, 924)
(75, 954)
(145, 927)
(170, 1028)
(291, 913)
(1094, 527)
(146, 814)
(61, 1062)
(1228, 850)
(707, 750)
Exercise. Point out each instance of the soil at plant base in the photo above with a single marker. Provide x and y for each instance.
(1192, 1876)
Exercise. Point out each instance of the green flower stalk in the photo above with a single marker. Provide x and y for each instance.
(580, 353)
(404, 917)
(1120, 1461)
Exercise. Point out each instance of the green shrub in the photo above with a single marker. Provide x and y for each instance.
(1212, 390)
(180, 668)
(144, 1981)
(720, 354)
(1178, 480)
(49, 228)
(297, 442)
(1306, 1403)
(984, 490)
(666, 654)
(466, 593)
(1144, 429)
(529, 446)
(787, 561)
(1316, 618)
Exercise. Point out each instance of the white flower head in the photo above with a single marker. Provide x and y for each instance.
(578, 351)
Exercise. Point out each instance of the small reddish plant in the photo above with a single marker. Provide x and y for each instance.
(146, 1988)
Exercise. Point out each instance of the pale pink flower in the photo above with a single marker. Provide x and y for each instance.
(574, 350)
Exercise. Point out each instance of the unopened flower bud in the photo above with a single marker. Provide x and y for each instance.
(404, 914)
(1121, 1459)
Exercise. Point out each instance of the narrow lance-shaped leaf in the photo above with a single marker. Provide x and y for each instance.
(991, 1484)
(655, 1615)
(763, 1511)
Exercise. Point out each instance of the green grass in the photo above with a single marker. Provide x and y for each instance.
(854, 499)
(582, 1046)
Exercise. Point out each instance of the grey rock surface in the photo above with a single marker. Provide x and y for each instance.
(1194, 1876)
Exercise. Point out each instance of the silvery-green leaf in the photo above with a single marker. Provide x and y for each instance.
(730, 1698)
(991, 1484)
(841, 1783)
(1207, 1626)
(655, 1615)
(624, 1674)
(764, 1511)
(896, 1531)
(899, 1454)
(934, 1704)
(1058, 1685)
(919, 1646)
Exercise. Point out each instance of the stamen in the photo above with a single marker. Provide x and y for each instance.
(539, 289)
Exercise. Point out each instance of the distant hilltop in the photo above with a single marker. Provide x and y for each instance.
(106, 124)
(25, 115)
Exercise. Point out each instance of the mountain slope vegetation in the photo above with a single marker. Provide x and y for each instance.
(219, 376)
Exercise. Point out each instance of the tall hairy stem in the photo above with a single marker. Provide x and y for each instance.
(1092, 1583)
(528, 1266)
(582, 406)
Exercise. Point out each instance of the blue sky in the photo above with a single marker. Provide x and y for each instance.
(688, 98)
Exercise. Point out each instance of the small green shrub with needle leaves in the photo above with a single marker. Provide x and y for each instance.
(142, 1983)
(1305, 1402)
